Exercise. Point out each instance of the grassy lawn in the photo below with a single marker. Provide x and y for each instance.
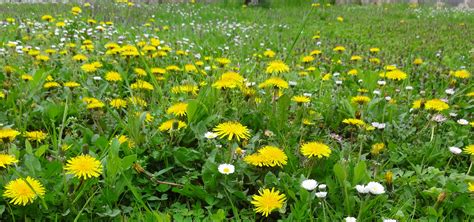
(219, 112)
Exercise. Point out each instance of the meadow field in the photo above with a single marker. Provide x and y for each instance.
(290, 111)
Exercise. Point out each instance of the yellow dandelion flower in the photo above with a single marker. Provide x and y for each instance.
(255, 159)
(269, 53)
(7, 159)
(27, 77)
(124, 139)
(418, 61)
(36, 135)
(173, 68)
(462, 74)
(396, 75)
(88, 68)
(273, 156)
(417, 104)
(140, 72)
(307, 59)
(301, 99)
(158, 71)
(93, 103)
(178, 109)
(353, 72)
(339, 49)
(7, 134)
(470, 187)
(268, 200)
(355, 122)
(84, 167)
(79, 58)
(113, 77)
(141, 84)
(374, 50)
(469, 149)
(436, 104)
(315, 149)
(327, 77)
(76, 10)
(49, 85)
(118, 103)
(231, 129)
(315, 52)
(374, 60)
(360, 100)
(377, 148)
(274, 82)
(190, 68)
(223, 61)
(229, 80)
(356, 58)
(71, 84)
(277, 66)
(23, 191)
(171, 125)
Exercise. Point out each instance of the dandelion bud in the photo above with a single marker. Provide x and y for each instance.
(389, 178)
(358, 114)
(85, 149)
(137, 167)
(441, 197)
(175, 125)
(377, 148)
(239, 151)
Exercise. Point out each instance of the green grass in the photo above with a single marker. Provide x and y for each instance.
(173, 175)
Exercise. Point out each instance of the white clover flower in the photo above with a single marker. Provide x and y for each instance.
(409, 87)
(376, 92)
(309, 184)
(449, 91)
(388, 98)
(338, 82)
(322, 187)
(361, 189)
(463, 122)
(321, 194)
(375, 188)
(350, 219)
(307, 94)
(97, 78)
(378, 125)
(453, 114)
(381, 82)
(389, 220)
(455, 150)
(438, 118)
(292, 83)
(210, 135)
(226, 168)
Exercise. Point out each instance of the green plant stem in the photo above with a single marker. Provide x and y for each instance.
(469, 170)
(432, 132)
(362, 204)
(234, 209)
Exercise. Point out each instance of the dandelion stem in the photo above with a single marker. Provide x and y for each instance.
(234, 210)
(432, 132)
(469, 170)
(449, 161)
